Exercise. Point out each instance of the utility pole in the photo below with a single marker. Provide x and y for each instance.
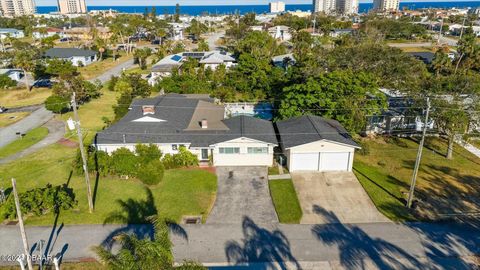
(20, 223)
(314, 23)
(419, 158)
(82, 152)
(463, 25)
(440, 32)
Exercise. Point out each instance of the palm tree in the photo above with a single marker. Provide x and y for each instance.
(24, 60)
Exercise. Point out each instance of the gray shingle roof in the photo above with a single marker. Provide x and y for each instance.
(309, 128)
(68, 52)
(176, 111)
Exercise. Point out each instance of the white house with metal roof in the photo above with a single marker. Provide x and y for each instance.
(78, 57)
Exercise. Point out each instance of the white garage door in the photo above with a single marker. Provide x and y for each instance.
(335, 161)
(304, 162)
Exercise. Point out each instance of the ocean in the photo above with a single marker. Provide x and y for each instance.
(259, 9)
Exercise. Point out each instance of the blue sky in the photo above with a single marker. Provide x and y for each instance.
(198, 2)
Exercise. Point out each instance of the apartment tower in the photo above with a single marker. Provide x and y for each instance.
(72, 6)
(345, 7)
(276, 7)
(14, 8)
(386, 5)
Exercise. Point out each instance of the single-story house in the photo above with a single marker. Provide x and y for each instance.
(335, 33)
(78, 57)
(212, 59)
(171, 121)
(425, 57)
(313, 143)
(13, 73)
(48, 32)
(11, 32)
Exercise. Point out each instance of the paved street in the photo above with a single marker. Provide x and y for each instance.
(212, 38)
(115, 71)
(244, 192)
(35, 119)
(56, 130)
(332, 246)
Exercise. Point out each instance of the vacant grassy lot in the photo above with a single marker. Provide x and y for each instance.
(7, 119)
(23, 97)
(32, 137)
(285, 200)
(444, 186)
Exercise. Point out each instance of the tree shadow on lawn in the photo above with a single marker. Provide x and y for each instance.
(138, 215)
(446, 198)
(440, 242)
(390, 179)
(263, 248)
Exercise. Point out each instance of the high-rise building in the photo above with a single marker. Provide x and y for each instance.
(72, 6)
(276, 7)
(339, 6)
(386, 5)
(13, 8)
(326, 6)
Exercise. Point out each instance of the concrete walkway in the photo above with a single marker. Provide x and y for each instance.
(331, 246)
(56, 130)
(35, 119)
(472, 149)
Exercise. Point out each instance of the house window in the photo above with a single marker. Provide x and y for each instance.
(174, 147)
(257, 150)
(229, 150)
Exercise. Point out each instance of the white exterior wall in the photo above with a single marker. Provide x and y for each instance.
(165, 148)
(321, 147)
(81, 59)
(243, 158)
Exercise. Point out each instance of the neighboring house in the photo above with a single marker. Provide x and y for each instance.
(281, 32)
(284, 61)
(78, 57)
(212, 59)
(256, 27)
(11, 32)
(335, 33)
(87, 33)
(171, 121)
(177, 30)
(313, 143)
(14, 74)
(425, 57)
(49, 32)
(397, 117)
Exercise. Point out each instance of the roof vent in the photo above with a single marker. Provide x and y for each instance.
(148, 110)
(204, 123)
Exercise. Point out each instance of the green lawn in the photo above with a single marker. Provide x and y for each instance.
(182, 191)
(285, 200)
(7, 119)
(11, 98)
(32, 137)
(443, 186)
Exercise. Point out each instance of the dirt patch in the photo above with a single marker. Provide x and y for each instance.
(67, 143)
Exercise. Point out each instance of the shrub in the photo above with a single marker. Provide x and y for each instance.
(39, 201)
(124, 162)
(57, 104)
(147, 153)
(6, 82)
(365, 148)
(151, 173)
(99, 161)
(183, 158)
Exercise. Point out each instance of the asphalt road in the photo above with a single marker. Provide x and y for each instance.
(115, 71)
(330, 246)
(212, 38)
(35, 119)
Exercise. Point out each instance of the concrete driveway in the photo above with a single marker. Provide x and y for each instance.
(242, 191)
(338, 192)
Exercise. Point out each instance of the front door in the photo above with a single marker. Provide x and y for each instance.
(204, 154)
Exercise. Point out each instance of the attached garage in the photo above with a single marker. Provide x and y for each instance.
(312, 143)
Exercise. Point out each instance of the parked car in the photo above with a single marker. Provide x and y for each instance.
(42, 83)
(3, 109)
(156, 42)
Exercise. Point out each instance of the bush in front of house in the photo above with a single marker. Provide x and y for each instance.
(124, 162)
(6, 82)
(183, 158)
(151, 173)
(39, 201)
(57, 104)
